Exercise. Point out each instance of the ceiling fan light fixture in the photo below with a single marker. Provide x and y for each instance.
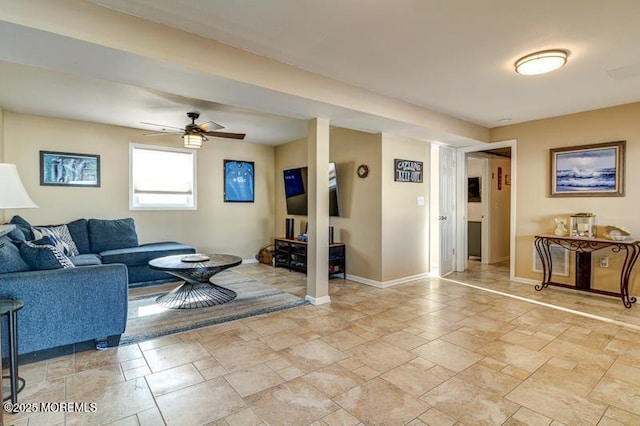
(541, 62)
(192, 140)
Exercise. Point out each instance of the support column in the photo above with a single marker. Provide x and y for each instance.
(318, 212)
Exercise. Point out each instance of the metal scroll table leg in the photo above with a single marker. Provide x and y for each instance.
(630, 258)
(542, 247)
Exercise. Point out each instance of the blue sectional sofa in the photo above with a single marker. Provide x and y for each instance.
(74, 279)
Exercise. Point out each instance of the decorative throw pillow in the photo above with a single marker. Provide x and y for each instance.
(40, 254)
(112, 234)
(23, 225)
(10, 259)
(60, 237)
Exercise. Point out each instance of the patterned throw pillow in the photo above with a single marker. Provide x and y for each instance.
(39, 254)
(60, 237)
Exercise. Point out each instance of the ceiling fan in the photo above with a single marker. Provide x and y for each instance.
(194, 134)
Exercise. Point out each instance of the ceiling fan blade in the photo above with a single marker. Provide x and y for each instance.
(162, 133)
(209, 126)
(161, 125)
(227, 135)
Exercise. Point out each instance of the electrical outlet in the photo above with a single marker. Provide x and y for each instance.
(604, 261)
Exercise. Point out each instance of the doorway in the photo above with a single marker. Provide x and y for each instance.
(486, 219)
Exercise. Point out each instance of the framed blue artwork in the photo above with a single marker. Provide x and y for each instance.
(67, 169)
(239, 183)
(588, 170)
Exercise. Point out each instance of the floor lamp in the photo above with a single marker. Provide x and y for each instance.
(12, 194)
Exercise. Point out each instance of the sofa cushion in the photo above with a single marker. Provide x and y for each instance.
(10, 259)
(59, 236)
(141, 255)
(41, 254)
(79, 231)
(23, 225)
(112, 234)
(86, 259)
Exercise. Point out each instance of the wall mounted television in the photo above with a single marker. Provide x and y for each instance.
(295, 190)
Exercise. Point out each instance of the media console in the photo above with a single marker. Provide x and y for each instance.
(292, 254)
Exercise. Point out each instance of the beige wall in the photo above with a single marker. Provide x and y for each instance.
(499, 210)
(405, 224)
(535, 209)
(359, 223)
(237, 228)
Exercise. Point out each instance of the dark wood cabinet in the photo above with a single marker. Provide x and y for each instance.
(292, 254)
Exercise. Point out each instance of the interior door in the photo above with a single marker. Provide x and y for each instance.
(447, 210)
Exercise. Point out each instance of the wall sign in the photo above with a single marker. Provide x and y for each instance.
(408, 171)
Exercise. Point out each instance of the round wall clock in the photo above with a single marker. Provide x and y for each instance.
(363, 171)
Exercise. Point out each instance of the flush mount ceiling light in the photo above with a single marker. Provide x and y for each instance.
(541, 62)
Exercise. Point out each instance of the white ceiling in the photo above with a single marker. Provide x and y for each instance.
(451, 56)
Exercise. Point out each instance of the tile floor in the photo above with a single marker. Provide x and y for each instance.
(430, 352)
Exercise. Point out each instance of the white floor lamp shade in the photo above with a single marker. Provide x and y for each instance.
(12, 192)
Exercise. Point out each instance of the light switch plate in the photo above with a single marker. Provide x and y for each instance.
(420, 201)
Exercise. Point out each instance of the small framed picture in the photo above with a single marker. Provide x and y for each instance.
(67, 169)
(239, 182)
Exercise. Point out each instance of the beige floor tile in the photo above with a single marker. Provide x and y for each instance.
(150, 417)
(465, 340)
(170, 356)
(343, 340)
(623, 417)
(618, 393)
(379, 402)
(114, 402)
(333, 380)
(340, 418)
(253, 379)
(380, 356)
(312, 355)
(557, 403)
(435, 417)
(447, 355)
(291, 403)
(524, 416)
(173, 379)
(515, 355)
(85, 382)
(413, 377)
(489, 379)
(246, 417)
(531, 342)
(404, 340)
(199, 404)
(282, 340)
(470, 404)
(244, 354)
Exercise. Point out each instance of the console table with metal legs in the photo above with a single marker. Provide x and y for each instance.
(583, 248)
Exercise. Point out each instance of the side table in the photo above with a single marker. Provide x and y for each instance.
(11, 308)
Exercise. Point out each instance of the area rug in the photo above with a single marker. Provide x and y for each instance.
(147, 320)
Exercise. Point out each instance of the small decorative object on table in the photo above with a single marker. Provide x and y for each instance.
(195, 258)
(561, 226)
(583, 225)
(615, 233)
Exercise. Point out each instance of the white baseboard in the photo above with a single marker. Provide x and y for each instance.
(386, 284)
(247, 261)
(318, 301)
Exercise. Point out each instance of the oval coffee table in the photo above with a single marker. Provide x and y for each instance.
(197, 291)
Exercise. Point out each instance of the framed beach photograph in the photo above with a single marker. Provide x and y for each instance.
(588, 170)
(67, 169)
(239, 181)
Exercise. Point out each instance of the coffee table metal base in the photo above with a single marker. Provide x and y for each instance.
(199, 295)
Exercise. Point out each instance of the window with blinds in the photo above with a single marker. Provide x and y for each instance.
(161, 178)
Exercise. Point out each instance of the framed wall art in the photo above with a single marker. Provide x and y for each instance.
(408, 171)
(239, 182)
(68, 169)
(588, 170)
